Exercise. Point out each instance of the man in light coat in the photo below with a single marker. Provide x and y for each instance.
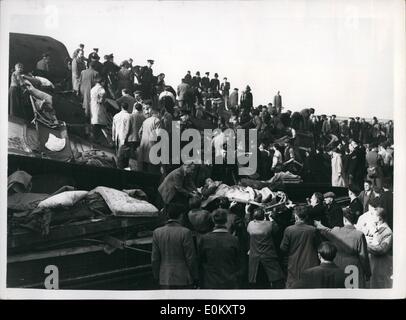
(87, 81)
(233, 100)
(98, 115)
(149, 132)
(338, 177)
(184, 90)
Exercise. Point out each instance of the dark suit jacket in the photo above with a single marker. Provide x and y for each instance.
(147, 75)
(196, 81)
(205, 82)
(334, 216)
(300, 242)
(219, 257)
(316, 213)
(366, 199)
(351, 250)
(326, 275)
(215, 84)
(357, 207)
(387, 204)
(263, 250)
(356, 164)
(174, 260)
(175, 182)
(246, 100)
(225, 87)
(277, 101)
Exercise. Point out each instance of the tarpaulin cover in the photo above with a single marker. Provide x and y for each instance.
(43, 133)
(54, 143)
(64, 199)
(121, 204)
(25, 201)
(19, 181)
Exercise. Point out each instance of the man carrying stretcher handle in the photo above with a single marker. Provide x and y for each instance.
(178, 186)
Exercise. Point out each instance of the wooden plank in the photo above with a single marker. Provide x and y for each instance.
(78, 230)
(83, 280)
(72, 251)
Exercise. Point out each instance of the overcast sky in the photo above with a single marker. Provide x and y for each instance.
(335, 56)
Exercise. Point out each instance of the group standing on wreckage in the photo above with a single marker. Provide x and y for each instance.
(82, 183)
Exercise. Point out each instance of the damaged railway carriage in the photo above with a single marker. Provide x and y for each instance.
(71, 211)
(57, 215)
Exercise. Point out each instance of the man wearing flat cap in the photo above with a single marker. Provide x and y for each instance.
(333, 212)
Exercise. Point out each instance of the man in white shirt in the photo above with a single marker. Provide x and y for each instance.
(277, 157)
(120, 133)
(367, 221)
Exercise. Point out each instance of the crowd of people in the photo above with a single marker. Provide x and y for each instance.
(234, 245)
